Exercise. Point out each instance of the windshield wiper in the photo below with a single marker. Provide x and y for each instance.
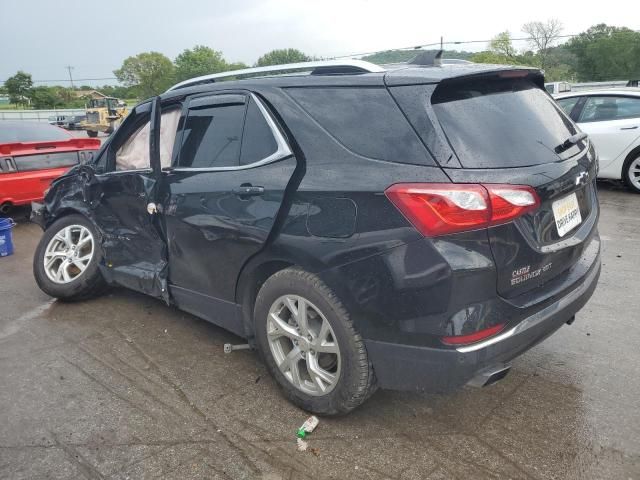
(569, 142)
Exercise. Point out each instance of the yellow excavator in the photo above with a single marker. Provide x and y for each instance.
(104, 114)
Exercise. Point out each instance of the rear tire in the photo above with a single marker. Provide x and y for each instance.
(337, 377)
(65, 263)
(631, 173)
(92, 134)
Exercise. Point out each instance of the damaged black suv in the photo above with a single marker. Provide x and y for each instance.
(411, 228)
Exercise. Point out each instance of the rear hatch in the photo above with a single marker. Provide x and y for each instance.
(505, 129)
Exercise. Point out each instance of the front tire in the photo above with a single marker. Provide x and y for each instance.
(309, 344)
(65, 264)
(631, 173)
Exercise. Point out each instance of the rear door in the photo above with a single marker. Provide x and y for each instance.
(509, 131)
(613, 124)
(224, 193)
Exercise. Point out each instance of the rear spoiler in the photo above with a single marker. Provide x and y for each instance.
(57, 145)
(534, 75)
(419, 75)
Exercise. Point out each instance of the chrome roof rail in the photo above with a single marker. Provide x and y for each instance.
(318, 67)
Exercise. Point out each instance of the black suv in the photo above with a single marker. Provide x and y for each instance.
(414, 228)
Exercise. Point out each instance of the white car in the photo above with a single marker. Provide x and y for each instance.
(611, 118)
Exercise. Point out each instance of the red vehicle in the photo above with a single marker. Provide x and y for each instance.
(32, 155)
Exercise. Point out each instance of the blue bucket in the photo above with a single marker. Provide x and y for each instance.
(6, 240)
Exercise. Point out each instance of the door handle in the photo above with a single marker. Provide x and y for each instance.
(248, 191)
(629, 128)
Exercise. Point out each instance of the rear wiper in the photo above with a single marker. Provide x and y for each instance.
(569, 142)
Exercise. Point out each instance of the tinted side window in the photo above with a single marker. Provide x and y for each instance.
(212, 137)
(365, 120)
(567, 104)
(600, 109)
(257, 142)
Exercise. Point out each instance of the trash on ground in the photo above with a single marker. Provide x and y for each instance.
(308, 426)
(302, 445)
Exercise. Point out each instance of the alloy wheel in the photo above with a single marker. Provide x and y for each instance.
(68, 254)
(303, 345)
(634, 173)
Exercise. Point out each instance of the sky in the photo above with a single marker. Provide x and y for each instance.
(42, 37)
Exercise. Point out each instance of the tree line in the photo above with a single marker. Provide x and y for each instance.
(140, 76)
(151, 73)
(602, 52)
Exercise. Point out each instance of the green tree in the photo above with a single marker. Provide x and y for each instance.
(501, 44)
(151, 73)
(561, 64)
(542, 36)
(489, 56)
(236, 66)
(199, 61)
(18, 87)
(282, 56)
(46, 97)
(605, 52)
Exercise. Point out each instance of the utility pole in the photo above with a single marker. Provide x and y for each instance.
(69, 68)
(441, 42)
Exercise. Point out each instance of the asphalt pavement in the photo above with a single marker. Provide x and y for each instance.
(125, 387)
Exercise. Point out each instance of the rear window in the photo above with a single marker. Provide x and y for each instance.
(46, 160)
(498, 123)
(365, 120)
(30, 132)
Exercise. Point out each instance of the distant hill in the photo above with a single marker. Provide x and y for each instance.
(399, 56)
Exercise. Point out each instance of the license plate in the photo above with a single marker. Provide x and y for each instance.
(566, 213)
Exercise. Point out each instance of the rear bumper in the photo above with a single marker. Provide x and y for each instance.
(409, 367)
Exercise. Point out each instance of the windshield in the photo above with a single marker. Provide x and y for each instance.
(494, 123)
(11, 132)
(97, 103)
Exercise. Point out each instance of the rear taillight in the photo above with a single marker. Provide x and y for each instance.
(472, 337)
(443, 208)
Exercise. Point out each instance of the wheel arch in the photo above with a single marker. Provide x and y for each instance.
(263, 265)
(633, 154)
(635, 151)
(250, 280)
(65, 212)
